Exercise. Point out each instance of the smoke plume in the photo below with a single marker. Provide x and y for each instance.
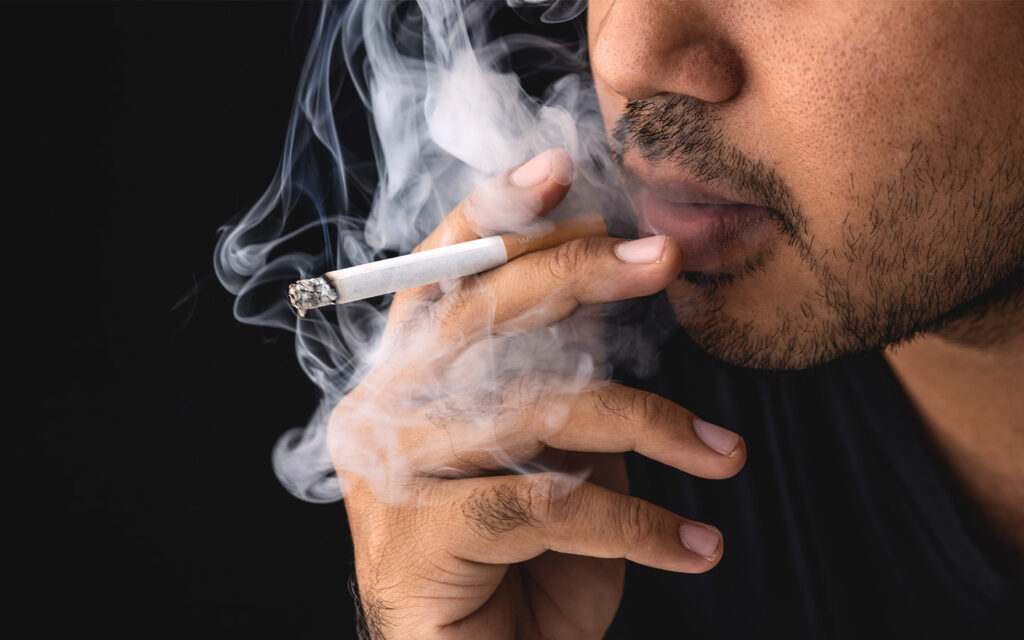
(445, 109)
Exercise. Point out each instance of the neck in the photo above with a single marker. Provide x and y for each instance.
(966, 383)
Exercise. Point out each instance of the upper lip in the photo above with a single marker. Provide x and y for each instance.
(670, 185)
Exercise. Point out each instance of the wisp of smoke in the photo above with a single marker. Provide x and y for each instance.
(445, 111)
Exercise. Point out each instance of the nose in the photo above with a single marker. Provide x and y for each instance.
(641, 48)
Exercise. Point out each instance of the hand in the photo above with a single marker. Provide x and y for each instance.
(449, 543)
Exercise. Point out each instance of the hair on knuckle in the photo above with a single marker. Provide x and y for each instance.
(496, 510)
(569, 258)
(456, 302)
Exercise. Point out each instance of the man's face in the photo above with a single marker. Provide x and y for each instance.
(839, 175)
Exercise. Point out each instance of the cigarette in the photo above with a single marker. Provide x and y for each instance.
(435, 265)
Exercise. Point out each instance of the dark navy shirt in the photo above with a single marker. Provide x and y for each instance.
(844, 523)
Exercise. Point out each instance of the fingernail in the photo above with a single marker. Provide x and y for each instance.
(533, 172)
(700, 539)
(721, 440)
(553, 163)
(643, 251)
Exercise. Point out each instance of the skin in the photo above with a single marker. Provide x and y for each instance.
(896, 179)
(472, 554)
(885, 137)
(896, 132)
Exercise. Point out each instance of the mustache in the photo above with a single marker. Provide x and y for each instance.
(685, 131)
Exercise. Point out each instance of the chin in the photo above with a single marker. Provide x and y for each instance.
(750, 330)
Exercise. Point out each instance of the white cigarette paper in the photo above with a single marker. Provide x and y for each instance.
(435, 265)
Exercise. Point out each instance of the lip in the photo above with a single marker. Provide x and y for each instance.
(714, 229)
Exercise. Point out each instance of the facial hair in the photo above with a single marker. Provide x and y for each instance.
(969, 261)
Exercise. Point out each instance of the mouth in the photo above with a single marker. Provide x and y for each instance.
(716, 231)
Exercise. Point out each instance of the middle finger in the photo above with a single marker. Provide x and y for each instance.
(495, 431)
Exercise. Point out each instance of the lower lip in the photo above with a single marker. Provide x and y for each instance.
(712, 236)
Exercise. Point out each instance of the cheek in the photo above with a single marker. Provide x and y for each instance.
(843, 102)
(829, 110)
(837, 113)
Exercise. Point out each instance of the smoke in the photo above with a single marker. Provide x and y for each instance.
(445, 110)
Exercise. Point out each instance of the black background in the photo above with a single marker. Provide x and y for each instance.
(143, 415)
(140, 414)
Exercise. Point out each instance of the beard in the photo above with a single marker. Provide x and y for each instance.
(936, 246)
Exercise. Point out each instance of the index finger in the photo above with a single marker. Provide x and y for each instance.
(606, 418)
(507, 202)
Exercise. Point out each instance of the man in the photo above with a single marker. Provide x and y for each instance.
(829, 187)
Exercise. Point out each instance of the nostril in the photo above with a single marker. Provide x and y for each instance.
(645, 49)
(714, 70)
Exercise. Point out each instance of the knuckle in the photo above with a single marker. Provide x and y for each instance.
(636, 523)
(518, 389)
(454, 304)
(551, 499)
(569, 258)
(524, 391)
(497, 510)
(458, 312)
(608, 400)
(649, 408)
(431, 318)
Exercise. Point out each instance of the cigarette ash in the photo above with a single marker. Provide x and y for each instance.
(311, 293)
(446, 110)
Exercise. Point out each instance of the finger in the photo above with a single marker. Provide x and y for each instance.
(614, 418)
(507, 202)
(526, 419)
(542, 288)
(510, 519)
(510, 201)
